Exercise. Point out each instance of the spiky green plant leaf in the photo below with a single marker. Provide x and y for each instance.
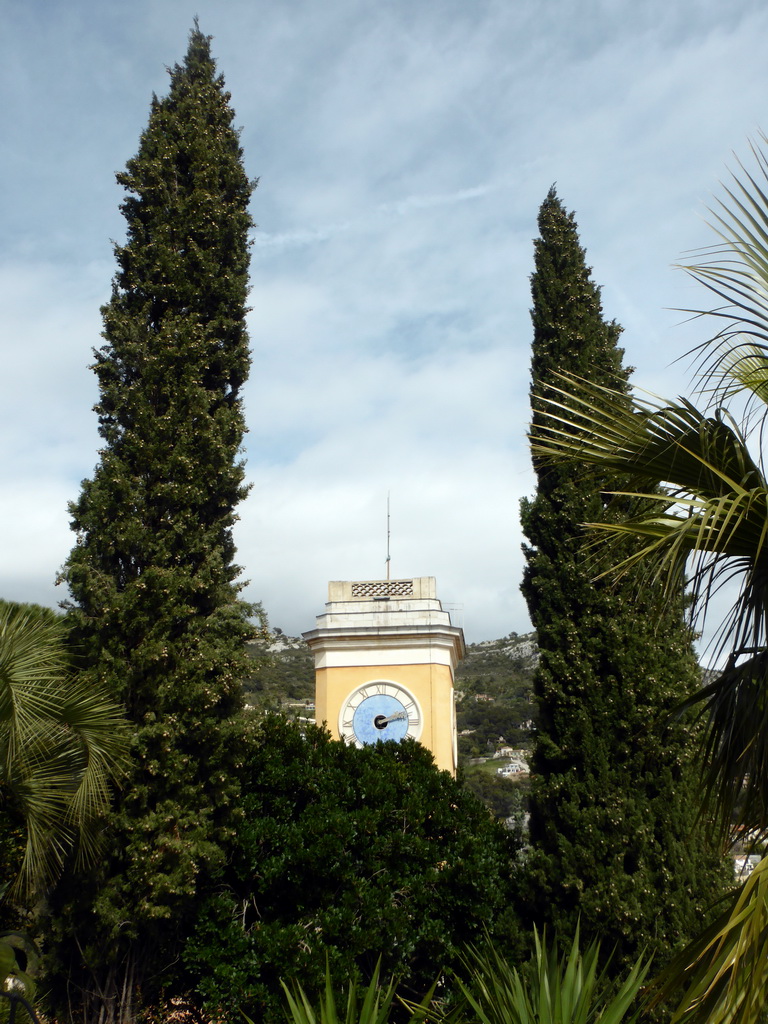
(567, 989)
(374, 1008)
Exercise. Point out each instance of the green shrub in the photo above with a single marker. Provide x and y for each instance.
(345, 856)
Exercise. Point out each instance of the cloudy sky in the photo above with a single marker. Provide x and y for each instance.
(403, 149)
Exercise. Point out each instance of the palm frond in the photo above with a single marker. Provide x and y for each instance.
(61, 744)
(697, 487)
(658, 443)
(736, 271)
(735, 747)
(725, 971)
(703, 516)
(746, 366)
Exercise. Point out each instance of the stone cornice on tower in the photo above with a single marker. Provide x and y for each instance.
(385, 615)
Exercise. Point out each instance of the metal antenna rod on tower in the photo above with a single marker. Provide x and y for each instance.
(388, 558)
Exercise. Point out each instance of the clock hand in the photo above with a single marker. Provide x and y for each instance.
(380, 720)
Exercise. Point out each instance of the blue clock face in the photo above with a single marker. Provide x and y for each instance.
(380, 717)
(379, 711)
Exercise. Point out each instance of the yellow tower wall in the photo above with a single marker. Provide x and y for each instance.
(430, 684)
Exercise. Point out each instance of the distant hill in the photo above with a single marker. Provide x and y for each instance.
(283, 674)
(494, 695)
(520, 649)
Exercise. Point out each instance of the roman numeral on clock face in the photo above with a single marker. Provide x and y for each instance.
(372, 690)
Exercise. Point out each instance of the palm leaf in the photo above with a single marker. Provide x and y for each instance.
(61, 745)
(703, 513)
(725, 971)
(737, 272)
(698, 490)
(736, 746)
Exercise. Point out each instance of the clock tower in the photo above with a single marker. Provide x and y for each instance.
(385, 655)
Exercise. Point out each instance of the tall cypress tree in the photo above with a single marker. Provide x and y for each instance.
(155, 613)
(613, 828)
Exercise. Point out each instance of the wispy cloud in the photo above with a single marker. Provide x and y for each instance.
(397, 208)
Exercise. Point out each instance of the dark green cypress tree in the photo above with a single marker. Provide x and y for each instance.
(613, 827)
(155, 613)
